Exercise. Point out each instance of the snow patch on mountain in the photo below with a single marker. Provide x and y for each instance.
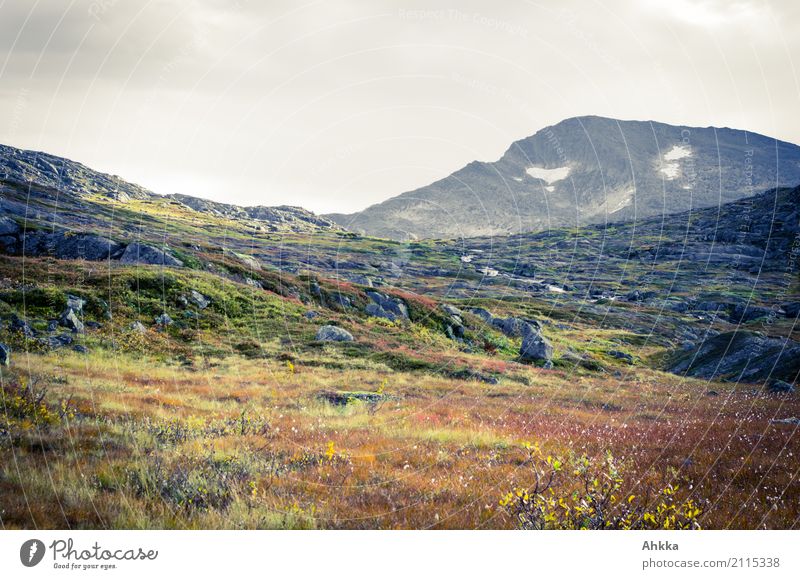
(550, 176)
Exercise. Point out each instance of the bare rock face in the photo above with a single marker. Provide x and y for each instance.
(67, 246)
(740, 356)
(140, 253)
(333, 334)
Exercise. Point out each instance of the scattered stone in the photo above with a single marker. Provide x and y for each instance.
(5, 355)
(792, 420)
(387, 307)
(345, 398)
(621, 356)
(138, 327)
(19, 325)
(163, 320)
(59, 341)
(333, 334)
(310, 314)
(80, 349)
(511, 327)
(93, 325)
(52, 325)
(712, 393)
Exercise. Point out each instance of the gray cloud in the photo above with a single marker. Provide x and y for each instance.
(337, 105)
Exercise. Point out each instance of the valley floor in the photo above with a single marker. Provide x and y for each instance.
(131, 442)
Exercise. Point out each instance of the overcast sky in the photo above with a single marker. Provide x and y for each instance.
(336, 105)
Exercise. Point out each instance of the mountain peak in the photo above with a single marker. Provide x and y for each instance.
(584, 170)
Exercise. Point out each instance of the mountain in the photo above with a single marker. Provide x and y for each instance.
(587, 170)
(48, 175)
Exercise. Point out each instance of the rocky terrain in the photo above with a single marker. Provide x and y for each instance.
(218, 366)
(587, 170)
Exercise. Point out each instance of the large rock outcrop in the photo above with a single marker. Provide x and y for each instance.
(142, 254)
(740, 356)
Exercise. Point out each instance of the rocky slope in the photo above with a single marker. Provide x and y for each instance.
(48, 175)
(587, 170)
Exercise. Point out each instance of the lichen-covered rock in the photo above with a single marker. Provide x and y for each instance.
(333, 334)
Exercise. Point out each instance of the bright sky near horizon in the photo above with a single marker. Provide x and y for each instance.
(338, 105)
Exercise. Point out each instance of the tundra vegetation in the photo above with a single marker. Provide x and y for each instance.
(289, 374)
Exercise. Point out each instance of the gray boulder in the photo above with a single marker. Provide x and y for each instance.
(455, 329)
(781, 387)
(791, 309)
(70, 320)
(19, 325)
(5, 355)
(142, 254)
(511, 327)
(333, 334)
(387, 307)
(536, 348)
(138, 327)
(56, 342)
(199, 299)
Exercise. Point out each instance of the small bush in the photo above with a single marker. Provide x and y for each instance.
(581, 493)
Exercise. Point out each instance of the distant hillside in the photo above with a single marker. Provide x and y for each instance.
(587, 170)
(48, 173)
